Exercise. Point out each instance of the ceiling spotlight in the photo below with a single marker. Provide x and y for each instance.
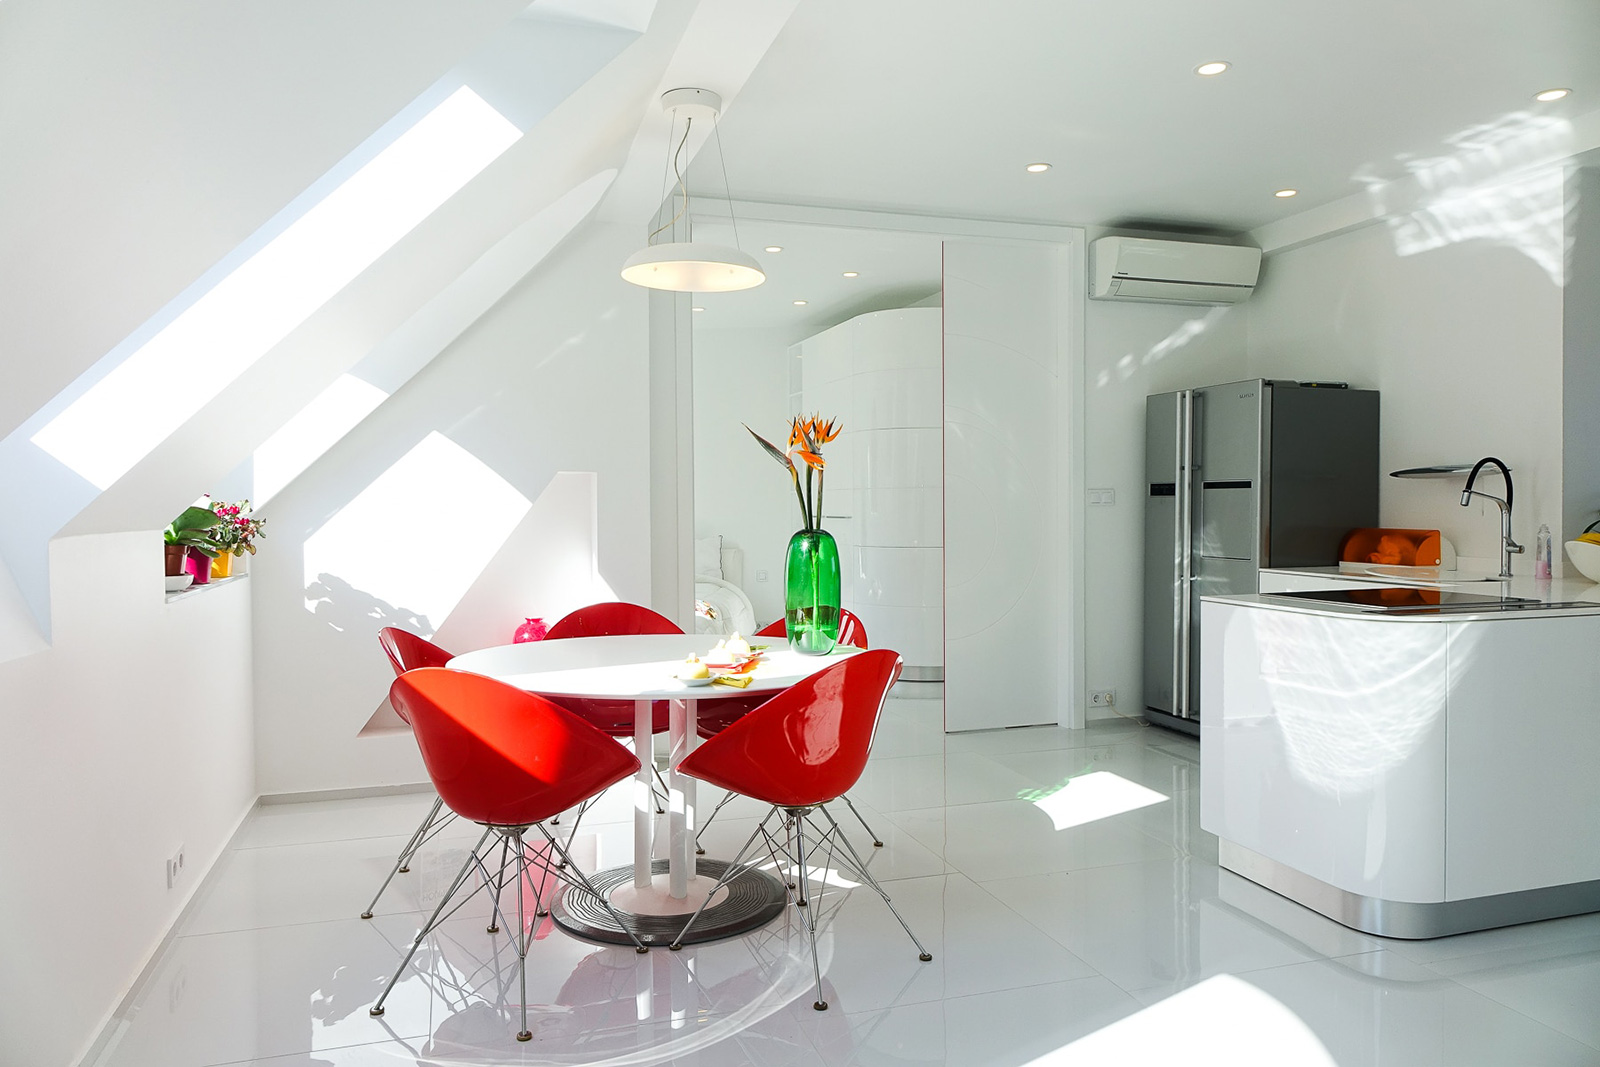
(1550, 94)
(799, 303)
(852, 274)
(774, 248)
(1284, 194)
(1207, 70)
(1037, 168)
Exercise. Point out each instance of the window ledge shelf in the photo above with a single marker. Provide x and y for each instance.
(196, 590)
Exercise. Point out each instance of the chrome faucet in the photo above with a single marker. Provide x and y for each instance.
(1507, 545)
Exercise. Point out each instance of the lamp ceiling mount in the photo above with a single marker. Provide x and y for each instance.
(701, 105)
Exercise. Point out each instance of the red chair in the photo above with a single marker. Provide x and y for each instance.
(798, 751)
(615, 717)
(507, 760)
(717, 715)
(407, 652)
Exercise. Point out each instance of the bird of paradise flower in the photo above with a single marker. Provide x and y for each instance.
(807, 435)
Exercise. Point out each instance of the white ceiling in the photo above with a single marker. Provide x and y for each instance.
(893, 270)
(935, 106)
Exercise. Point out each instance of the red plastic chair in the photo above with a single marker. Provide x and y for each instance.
(508, 760)
(407, 652)
(615, 717)
(798, 751)
(717, 715)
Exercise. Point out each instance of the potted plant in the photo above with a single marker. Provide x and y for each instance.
(189, 535)
(234, 534)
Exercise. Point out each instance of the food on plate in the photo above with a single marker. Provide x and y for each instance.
(694, 667)
(738, 647)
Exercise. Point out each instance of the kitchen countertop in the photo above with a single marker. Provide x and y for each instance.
(1576, 597)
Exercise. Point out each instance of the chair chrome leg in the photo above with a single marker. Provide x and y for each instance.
(728, 874)
(726, 797)
(808, 919)
(523, 934)
(876, 841)
(427, 927)
(866, 876)
(499, 884)
(569, 870)
(402, 862)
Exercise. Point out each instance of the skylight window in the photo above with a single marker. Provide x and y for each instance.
(163, 383)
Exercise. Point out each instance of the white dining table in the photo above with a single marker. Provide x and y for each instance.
(643, 668)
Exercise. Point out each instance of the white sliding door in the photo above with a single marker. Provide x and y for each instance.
(1010, 309)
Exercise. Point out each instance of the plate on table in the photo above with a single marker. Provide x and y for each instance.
(744, 666)
(695, 681)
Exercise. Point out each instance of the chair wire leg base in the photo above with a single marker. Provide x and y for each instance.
(571, 872)
(402, 862)
(698, 851)
(866, 876)
(736, 867)
(427, 927)
(877, 842)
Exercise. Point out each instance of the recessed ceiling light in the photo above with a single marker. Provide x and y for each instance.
(1207, 70)
(1550, 94)
(697, 309)
(852, 274)
(1284, 194)
(774, 248)
(1037, 168)
(799, 303)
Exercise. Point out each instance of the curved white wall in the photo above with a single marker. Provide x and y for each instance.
(880, 374)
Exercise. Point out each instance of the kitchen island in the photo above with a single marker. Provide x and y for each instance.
(1410, 774)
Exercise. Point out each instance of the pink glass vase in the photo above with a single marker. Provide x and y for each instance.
(531, 630)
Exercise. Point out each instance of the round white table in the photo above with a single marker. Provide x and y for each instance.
(642, 668)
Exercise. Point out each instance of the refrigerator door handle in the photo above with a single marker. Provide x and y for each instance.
(1185, 541)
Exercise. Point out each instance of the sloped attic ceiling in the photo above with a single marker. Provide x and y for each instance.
(414, 298)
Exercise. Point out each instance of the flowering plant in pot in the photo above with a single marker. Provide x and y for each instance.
(190, 535)
(811, 567)
(234, 535)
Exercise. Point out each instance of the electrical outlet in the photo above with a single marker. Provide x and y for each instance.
(1102, 698)
(1102, 498)
(175, 867)
(761, 576)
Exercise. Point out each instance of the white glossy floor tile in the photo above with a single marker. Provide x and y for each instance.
(1157, 924)
(1012, 838)
(1554, 982)
(1039, 936)
(987, 1030)
(1380, 1011)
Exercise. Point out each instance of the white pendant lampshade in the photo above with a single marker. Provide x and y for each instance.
(693, 267)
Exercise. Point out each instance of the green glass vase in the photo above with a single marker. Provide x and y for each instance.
(811, 592)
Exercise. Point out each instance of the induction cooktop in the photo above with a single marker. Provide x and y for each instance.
(1410, 600)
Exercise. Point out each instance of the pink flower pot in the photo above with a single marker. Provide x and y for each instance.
(199, 566)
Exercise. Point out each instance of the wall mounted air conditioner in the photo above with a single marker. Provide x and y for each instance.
(1174, 272)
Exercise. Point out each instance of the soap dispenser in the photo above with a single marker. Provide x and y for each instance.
(1541, 553)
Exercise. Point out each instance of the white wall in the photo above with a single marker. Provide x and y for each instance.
(1580, 384)
(1465, 344)
(552, 379)
(129, 737)
(1132, 350)
(742, 376)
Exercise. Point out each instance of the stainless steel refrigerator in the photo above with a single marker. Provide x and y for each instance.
(1242, 477)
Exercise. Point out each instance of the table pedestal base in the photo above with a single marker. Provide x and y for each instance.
(748, 902)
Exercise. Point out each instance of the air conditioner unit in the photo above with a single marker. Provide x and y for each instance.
(1173, 272)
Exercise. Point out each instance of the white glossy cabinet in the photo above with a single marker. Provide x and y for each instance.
(880, 375)
(1410, 777)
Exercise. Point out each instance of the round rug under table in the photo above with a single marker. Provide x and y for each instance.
(751, 900)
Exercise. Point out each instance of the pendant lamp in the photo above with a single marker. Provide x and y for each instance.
(691, 266)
